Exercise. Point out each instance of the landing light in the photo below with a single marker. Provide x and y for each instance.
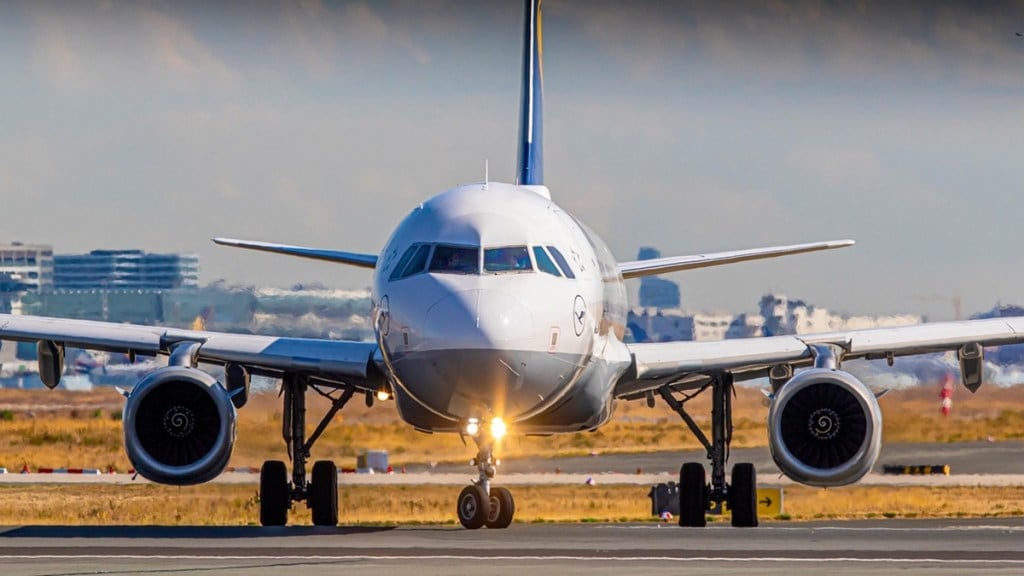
(498, 428)
(383, 394)
(472, 427)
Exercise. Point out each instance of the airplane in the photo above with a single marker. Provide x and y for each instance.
(496, 311)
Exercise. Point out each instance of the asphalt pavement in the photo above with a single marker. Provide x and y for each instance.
(864, 547)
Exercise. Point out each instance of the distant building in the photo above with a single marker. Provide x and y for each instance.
(785, 316)
(125, 270)
(656, 292)
(672, 324)
(778, 315)
(25, 267)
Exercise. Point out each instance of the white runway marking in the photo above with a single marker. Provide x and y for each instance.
(378, 558)
(769, 528)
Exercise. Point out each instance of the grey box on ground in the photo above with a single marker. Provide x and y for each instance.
(664, 498)
(372, 462)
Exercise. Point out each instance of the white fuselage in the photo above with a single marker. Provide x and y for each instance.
(491, 301)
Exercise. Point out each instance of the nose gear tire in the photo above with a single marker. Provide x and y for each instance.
(502, 508)
(473, 507)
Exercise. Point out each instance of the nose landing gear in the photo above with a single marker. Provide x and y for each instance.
(481, 504)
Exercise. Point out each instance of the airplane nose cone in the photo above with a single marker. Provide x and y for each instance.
(478, 318)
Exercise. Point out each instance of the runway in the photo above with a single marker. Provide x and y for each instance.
(910, 547)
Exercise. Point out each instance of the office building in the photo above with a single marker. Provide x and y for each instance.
(125, 270)
(25, 267)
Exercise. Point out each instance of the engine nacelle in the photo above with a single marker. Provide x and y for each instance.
(825, 428)
(179, 426)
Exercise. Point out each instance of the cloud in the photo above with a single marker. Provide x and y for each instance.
(100, 47)
(177, 53)
(53, 58)
(773, 40)
(325, 41)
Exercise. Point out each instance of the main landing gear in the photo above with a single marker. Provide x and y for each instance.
(321, 493)
(481, 504)
(696, 496)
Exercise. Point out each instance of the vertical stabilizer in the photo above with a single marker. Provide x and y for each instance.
(531, 146)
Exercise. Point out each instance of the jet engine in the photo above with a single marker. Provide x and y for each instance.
(179, 426)
(825, 428)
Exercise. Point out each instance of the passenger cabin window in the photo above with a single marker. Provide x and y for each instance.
(507, 259)
(544, 263)
(412, 262)
(562, 262)
(455, 260)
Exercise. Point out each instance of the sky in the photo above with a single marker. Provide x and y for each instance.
(689, 126)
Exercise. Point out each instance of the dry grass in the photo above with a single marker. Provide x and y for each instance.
(83, 429)
(222, 504)
(806, 503)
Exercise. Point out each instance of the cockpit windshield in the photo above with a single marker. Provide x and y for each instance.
(507, 259)
(455, 260)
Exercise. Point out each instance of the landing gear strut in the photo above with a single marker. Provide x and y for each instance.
(480, 504)
(695, 495)
(320, 495)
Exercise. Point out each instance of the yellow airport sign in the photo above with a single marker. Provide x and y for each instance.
(769, 503)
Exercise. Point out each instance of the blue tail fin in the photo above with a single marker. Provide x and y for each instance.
(531, 125)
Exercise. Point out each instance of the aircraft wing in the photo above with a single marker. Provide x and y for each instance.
(336, 256)
(688, 364)
(345, 360)
(638, 268)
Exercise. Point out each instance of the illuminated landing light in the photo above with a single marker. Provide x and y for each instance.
(473, 427)
(383, 394)
(498, 428)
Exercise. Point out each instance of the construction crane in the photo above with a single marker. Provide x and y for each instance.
(955, 300)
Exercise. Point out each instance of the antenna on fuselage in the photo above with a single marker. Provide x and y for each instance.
(487, 173)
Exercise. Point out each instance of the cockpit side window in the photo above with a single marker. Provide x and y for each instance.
(396, 273)
(507, 259)
(418, 262)
(544, 263)
(455, 260)
(562, 262)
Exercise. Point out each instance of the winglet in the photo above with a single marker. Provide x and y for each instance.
(350, 258)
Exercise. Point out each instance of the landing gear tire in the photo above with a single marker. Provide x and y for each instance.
(473, 507)
(323, 494)
(693, 501)
(274, 497)
(502, 508)
(743, 495)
